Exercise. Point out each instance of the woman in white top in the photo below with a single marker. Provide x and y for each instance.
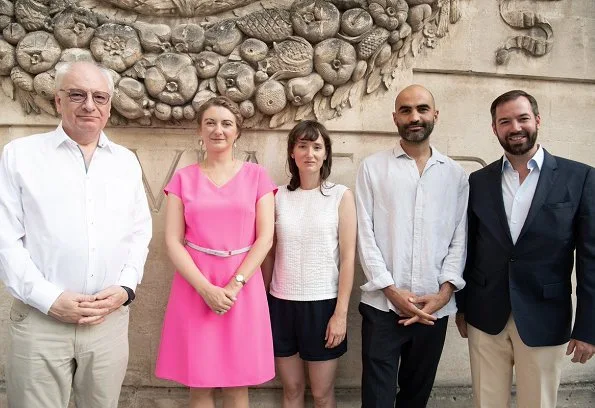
(311, 264)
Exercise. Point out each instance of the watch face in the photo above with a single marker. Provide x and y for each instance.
(240, 278)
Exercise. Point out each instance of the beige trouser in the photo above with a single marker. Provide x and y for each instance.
(537, 369)
(48, 358)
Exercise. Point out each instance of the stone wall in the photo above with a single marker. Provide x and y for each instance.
(464, 77)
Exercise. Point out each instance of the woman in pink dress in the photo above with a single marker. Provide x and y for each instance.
(218, 228)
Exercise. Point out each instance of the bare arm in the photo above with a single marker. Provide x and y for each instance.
(268, 264)
(265, 227)
(337, 326)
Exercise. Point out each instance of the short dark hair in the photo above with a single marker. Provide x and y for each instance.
(308, 130)
(511, 96)
(224, 102)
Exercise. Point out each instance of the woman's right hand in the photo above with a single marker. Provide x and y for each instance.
(220, 300)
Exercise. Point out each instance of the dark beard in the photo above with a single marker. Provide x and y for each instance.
(420, 135)
(519, 149)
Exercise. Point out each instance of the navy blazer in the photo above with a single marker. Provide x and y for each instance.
(532, 278)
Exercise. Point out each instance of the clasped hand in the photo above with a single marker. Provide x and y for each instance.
(417, 309)
(220, 299)
(71, 307)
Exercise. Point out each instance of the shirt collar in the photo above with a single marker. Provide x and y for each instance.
(535, 161)
(435, 157)
(61, 137)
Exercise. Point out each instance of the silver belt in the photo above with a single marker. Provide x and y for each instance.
(217, 252)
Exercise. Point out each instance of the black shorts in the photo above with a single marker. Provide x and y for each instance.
(300, 327)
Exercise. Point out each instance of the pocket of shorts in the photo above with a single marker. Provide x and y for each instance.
(19, 311)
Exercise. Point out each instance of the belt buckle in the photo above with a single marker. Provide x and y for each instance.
(229, 253)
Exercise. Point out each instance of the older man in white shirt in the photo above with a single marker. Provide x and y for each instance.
(73, 244)
(411, 204)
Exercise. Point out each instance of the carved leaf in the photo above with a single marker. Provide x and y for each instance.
(213, 85)
(303, 111)
(341, 95)
(455, 11)
(25, 98)
(322, 109)
(408, 60)
(374, 81)
(286, 115)
(45, 105)
(406, 47)
(391, 64)
(416, 44)
(356, 92)
(443, 20)
(387, 80)
(8, 87)
(254, 121)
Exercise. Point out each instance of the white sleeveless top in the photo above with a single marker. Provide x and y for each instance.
(307, 252)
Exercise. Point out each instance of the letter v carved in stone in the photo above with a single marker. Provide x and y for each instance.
(155, 202)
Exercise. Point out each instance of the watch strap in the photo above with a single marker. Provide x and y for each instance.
(131, 295)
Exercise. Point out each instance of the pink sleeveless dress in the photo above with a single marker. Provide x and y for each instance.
(198, 347)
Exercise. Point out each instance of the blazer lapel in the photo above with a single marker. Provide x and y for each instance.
(495, 186)
(547, 177)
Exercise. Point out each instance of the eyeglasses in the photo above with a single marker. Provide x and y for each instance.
(80, 96)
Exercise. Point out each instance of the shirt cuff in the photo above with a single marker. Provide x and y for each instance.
(379, 282)
(43, 295)
(455, 279)
(128, 277)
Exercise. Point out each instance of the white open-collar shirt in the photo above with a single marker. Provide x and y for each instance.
(412, 229)
(518, 197)
(65, 227)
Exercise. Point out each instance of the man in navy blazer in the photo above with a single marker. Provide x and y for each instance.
(528, 214)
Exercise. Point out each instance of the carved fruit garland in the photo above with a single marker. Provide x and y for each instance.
(315, 58)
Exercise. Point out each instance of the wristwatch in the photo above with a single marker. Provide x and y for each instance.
(131, 295)
(240, 279)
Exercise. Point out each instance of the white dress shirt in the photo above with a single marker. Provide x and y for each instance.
(518, 197)
(412, 230)
(66, 228)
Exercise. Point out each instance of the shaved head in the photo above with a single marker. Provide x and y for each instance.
(412, 89)
(415, 114)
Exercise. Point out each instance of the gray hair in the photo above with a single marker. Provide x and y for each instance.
(64, 68)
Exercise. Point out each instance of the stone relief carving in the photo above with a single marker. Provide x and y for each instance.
(282, 62)
(533, 44)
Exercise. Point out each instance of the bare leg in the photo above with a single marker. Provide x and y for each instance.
(201, 398)
(322, 381)
(235, 397)
(293, 378)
